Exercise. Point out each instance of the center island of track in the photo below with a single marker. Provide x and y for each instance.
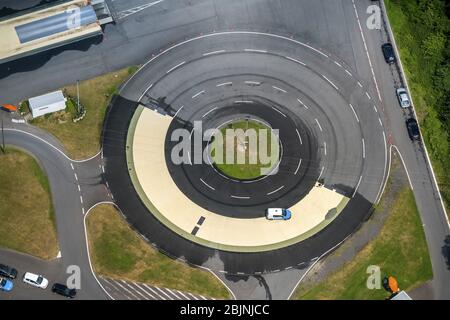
(330, 171)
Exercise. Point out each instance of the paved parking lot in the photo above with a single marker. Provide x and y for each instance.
(125, 290)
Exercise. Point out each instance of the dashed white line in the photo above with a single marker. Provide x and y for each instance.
(243, 101)
(375, 108)
(363, 148)
(274, 191)
(255, 50)
(379, 120)
(279, 112)
(82, 210)
(359, 84)
(325, 147)
(279, 89)
(368, 96)
(295, 60)
(213, 52)
(177, 66)
(349, 73)
(301, 102)
(299, 136)
(354, 112)
(330, 82)
(298, 167)
(318, 123)
(76, 177)
(209, 112)
(253, 83)
(239, 197)
(81, 199)
(321, 172)
(224, 84)
(197, 94)
(79, 188)
(338, 64)
(178, 111)
(71, 165)
(206, 184)
(357, 186)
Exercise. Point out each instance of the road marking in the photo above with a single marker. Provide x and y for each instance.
(321, 172)
(214, 52)
(330, 82)
(164, 293)
(363, 148)
(301, 102)
(375, 108)
(209, 112)
(299, 137)
(224, 84)
(275, 191)
(295, 60)
(318, 123)
(349, 73)
(367, 50)
(146, 90)
(255, 50)
(146, 292)
(185, 296)
(79, 189)
(279, 112)
(127, 290)
(338, 64)
(206, 184)
(177, 66)
(172, 292)
(357, 186)
(256, 83)
(178, 111)
(279, 89)
(129, 12)
(82, 210)
(134, 290)
(197, 94)
(359, 84)
(81, 199)
(354, 112)
(368, 96)
(76, 177)
(156, 293)
(240, 197)
(243, 101)
(404, 166)
(189, 158)
(71, 165)
(195, 298)
(379, 120)
(325, 148)
(103, 169)
(298, 167)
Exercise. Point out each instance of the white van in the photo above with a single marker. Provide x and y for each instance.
(278, 214)
(35, 280)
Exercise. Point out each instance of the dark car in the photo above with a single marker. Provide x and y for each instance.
(6, 271)
(413, 129)
(64, 290)
(388, 52)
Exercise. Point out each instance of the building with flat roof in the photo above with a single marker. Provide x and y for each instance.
(47, 103)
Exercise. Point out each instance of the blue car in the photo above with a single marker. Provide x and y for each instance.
(6, 285)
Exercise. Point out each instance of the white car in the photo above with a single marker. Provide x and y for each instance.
(278, 214)
(35, 280)
(403, 98)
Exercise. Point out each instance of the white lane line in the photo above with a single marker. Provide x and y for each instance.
(81, 199)
(206, 184)
(185, 296)
(295, 60)
(253, 83)
(135, 290)
(79, 189)
(379, 120)
(76, 177)
(213, 52)
(177, 66)
(195, 298)
(197, 94)
(318, 123)
(363, 148)
(243, 101)
(298, 167)
(367, 50)
(321, 172)
(172, 292)
(128, 12)
(162, 291)
(354, 112)
(375, 108)
(368, 96)
(178, 111)
(239, 197)
(71, 165)
(189, 158)
(83, 211)
(127, 290)
(359, 84)
(111, 284)
(209, 112)
(338, 64)
(299, 137)
(349, 73)
(330, 82)
(146, 90)
(404, 166)
(255, 50)
(276, 190)
(325, 148)
(301, 102)
(154, 292)
(103, 168)
(224, 84)
(279, 112)
(203, 297)
(279, 89)
(146, 292)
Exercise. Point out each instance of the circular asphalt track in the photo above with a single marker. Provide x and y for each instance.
(329, 131)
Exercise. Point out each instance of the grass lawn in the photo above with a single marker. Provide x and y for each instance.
(250, 166)
(422, 34)
(27, 219)
(400, 250)
(118, 252)
(82, 139)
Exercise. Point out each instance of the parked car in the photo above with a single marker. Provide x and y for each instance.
(388, 52)
(403, 98)
(413, 129)
(63, 290)
(7, 271)
(6, 285)
(278, 214)
(35, 280)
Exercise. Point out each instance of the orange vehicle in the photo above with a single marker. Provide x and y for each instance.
(9, 107)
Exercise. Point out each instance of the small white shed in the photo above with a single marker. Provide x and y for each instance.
(47, 103)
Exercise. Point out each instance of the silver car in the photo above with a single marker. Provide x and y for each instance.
(403, 98)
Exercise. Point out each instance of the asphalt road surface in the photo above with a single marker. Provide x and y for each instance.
(329, 25)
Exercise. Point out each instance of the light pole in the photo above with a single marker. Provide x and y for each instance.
(78, 97)
(3, 138)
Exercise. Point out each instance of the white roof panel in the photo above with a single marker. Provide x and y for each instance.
(46, 99)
